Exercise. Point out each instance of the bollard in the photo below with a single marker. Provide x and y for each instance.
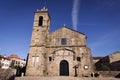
(22, 74)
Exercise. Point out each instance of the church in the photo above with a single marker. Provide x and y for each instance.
(63, 52)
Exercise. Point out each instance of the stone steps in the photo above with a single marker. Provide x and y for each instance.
(64, 78)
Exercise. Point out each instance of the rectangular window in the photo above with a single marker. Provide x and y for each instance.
(37, 58)
(33, 59)
(16, 62)
(50, 58)
(78, 59)
(63, 41)
(13, 61)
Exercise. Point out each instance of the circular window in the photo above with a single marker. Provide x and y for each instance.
(86, 67)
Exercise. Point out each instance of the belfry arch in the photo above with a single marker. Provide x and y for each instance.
(40, 20)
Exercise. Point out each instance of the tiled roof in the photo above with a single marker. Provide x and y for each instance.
(4, 57)
(14, 56)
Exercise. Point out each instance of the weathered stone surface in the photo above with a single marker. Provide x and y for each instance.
(7, 74)
(64, 78)
(114, 57)
(110, 73)
(62, 52)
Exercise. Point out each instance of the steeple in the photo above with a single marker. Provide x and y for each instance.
(37, 51)
(42, 17)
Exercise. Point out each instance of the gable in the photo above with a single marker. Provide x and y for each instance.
(73, 37)
(67, 29)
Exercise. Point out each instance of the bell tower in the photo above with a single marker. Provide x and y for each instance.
(36, 57)
(40, 27)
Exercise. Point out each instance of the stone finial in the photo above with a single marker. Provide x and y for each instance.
(44, 9)
(64, 24)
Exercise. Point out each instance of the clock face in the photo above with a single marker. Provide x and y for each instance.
(86, 67)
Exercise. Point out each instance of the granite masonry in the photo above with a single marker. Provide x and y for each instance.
(60, 53)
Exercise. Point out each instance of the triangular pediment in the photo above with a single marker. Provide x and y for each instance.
(64, 29)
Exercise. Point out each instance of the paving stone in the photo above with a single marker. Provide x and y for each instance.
(65, 78)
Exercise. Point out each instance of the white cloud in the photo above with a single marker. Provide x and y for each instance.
(75, 14)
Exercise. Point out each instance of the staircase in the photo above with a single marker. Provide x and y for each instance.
(64, 78)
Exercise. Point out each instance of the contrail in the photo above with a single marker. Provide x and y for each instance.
(75, 14)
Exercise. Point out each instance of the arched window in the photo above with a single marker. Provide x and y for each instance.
(40, 21)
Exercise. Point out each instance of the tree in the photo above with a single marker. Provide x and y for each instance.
(105, 68)
(19, 70)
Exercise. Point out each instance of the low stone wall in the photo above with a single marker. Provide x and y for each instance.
(7, 74)
(110, 74)
(65, 78)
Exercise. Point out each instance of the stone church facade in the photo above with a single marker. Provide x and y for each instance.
(60, 53)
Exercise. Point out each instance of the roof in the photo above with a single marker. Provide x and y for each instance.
(99, 57)
(1, 56)
(14, 56)
(73, 30)
(70, 29)
(117, 52)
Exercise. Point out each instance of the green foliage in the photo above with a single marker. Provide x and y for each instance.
(20, 70)
(103, 67)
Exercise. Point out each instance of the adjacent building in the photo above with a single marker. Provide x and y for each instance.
(96, 59)
(16, 61)
(110, 62)
(5, 62)
(11, 61)
(63, 52)
(114, 57)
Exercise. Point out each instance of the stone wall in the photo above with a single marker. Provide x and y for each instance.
(114, 57)
(64, 78)
(51, 55)
(110, 74)
(51, 51)
(7, 74)
(73, 38)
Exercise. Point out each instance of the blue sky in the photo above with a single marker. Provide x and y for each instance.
(98, 19)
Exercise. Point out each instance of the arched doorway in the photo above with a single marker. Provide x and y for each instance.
(64, 68)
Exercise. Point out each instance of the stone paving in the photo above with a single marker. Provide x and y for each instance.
(65, 78)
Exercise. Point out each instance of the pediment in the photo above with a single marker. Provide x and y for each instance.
(67, 30)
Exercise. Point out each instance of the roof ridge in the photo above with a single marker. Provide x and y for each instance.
(68, 28)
